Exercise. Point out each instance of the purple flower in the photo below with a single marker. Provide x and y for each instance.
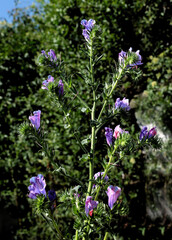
(88, 27)
(113, 193)
(44, 53)
(52, 195)
(61, 89)
(98, 175)
(37, 186)
(35, 119)
(109, 135)
(46, 82)
(52, 55)
(118, 131)
(121, 57)
(88, 24)
(137, 60)
(147, 134)
(122, 104)
(77, 195)
(144, 133)
(152, 132)
(90, 205)
(86, 35)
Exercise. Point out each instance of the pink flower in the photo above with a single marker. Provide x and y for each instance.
(152, 132)
(113, 193)
(118, 131)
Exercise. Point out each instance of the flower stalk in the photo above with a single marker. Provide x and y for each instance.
(91, 163)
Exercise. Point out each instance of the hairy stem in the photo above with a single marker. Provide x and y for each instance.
(105, 172)
(91, 163)
(112, 89)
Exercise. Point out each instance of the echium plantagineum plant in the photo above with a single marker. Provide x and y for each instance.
(97, 200)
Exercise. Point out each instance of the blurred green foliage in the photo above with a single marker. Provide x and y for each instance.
(142, 24)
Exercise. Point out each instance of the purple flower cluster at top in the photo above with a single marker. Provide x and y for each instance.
(113, 193)
(37, 186)
(52, 195)
(88, 27)
(46, 82)
(147, 134)
(51, 55)
(90, 205)
(109, 134)
(61, 89)
(122, 104)
(122, 56)
(98, 175)
(35, 119)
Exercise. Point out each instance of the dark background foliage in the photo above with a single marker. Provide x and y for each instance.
(146, 182)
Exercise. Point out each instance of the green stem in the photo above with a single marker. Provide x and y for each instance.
(106, 170)
(91, 163)
(76, 235)
(106, 236)
(112, 89)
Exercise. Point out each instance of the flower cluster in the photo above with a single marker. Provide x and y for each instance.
(134, 58)
(122, 104)
(147, 134)
(46, 82)
(35, 119)
(88, 27)
(90, 205)
(110, 135)
(51, 55)
(98, 175)
(51, 79)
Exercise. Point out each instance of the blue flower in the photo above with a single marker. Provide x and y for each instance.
(122, 104)
(52, 195)
(109, 135)
(88, 27)
(51, 55)
(37, 186)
